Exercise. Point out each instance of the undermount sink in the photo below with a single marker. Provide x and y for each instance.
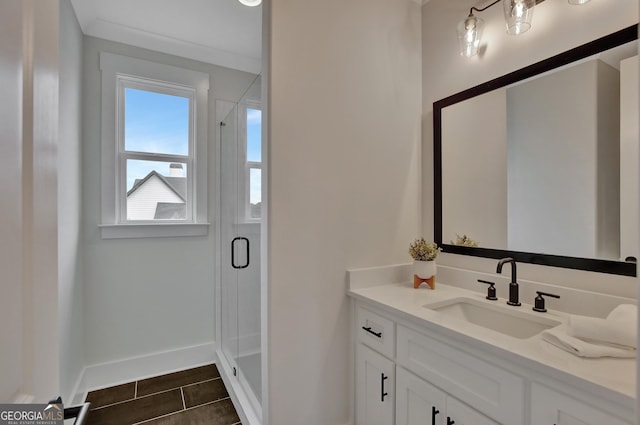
(497, 317)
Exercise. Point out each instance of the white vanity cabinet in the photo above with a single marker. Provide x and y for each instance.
(409, 373)
(375, 383)
(487, 388)
(550, 407)
(420, 403)
(384, 398)
(375, 373)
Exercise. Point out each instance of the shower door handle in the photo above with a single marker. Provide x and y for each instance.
(233, 253)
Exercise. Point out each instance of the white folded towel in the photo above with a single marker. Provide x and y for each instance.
(558, 336)
(620, 327)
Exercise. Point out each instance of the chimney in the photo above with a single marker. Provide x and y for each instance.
(175, 170)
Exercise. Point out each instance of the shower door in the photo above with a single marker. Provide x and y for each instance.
(240, 211)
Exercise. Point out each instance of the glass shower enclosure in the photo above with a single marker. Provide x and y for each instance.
(240, 226)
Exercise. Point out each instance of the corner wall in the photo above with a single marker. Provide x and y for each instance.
(70, 252)
(344, 185)
(29, 352)
(557, 26)
(11, 88)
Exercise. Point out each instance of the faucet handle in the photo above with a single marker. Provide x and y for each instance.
(539, 301)
(491, 290)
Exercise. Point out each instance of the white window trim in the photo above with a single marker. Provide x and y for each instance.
(112, 67)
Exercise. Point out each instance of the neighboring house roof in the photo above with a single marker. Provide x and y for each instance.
(170, 211)
(179, 184)
(176, 184)
(157, 197)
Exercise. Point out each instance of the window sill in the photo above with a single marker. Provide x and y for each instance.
(153, 230)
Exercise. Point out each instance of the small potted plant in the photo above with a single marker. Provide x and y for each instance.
(424, 265)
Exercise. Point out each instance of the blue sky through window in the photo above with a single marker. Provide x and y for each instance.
(254, 153)
(159, 123)
(254, 135)
(156, 122)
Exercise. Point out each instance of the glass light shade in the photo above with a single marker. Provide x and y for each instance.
(251, 2)
(469, 35)
(578, 1)
(517, 15)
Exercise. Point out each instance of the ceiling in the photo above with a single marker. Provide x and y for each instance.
(221, 32)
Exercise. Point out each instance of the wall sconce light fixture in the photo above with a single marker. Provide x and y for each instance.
(517, 17)
(251, 2)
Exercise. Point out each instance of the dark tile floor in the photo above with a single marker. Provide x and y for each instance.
(192, 397)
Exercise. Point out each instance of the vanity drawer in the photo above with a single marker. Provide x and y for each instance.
(491, 390)
(376, 331)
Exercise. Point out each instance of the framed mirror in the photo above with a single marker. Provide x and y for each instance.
(541, 164)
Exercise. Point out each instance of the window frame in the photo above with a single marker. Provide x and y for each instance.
(128, 82)
(118, 73)
(244, 164)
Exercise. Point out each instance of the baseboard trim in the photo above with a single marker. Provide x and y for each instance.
(79, 392)
(135, 368)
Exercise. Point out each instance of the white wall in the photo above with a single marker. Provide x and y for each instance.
(344, 186)
(41, 307)
(629, 157)
(608, 176)
(146, 296)
(29, 309)
(542, 218)
(39, 202)
(70, 252)
(11, 350)
(474, 194)
(557, 26)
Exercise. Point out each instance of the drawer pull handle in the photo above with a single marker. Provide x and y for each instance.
(450, 421)
(383, 394)
(434, 412)
(372, 332)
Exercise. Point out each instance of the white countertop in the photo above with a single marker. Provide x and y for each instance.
(595, 375)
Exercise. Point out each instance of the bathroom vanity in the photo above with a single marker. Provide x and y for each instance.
(419, 362)
(450, 356)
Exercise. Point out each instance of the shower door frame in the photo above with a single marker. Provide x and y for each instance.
(251, 409)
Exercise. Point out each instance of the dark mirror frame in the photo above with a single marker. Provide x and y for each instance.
(589, 49)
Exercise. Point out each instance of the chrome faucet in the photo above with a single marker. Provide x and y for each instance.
(513, 286)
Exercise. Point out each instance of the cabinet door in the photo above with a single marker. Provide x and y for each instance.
(549, 407)
(459, 413)
(375, 384)
(417, 401)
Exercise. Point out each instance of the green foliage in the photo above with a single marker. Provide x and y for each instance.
(421, 250)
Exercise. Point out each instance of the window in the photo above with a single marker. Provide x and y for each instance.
(154, 149)
(253, 164)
